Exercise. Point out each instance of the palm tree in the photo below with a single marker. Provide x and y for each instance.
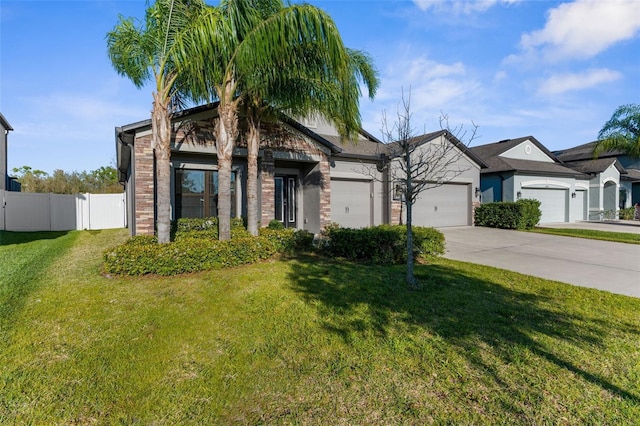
(240, 44)
(309, 88)
(621, 132)
(144, 54)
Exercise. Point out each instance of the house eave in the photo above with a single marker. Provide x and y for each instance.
(5, 123)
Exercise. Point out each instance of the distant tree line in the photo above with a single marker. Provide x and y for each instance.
(100, 181)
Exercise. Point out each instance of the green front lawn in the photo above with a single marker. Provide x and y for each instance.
(305, 341)
(618, 237)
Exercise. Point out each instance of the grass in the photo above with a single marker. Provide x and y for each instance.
(619, 237)
(309, 341)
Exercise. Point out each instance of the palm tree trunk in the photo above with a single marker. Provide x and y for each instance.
(161, 131)
(226, 134)
(253, 148)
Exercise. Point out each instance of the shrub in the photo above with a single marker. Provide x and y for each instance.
(142, 255)
(203, 228)
(384, 244)
(628, 213)
(275, 224)
(522, 214)
(530, 213)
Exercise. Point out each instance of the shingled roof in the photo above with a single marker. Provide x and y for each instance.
(359, 147)
(596, 166)
(584, 152)
(372, 147)
(632, 175)
(491, 154)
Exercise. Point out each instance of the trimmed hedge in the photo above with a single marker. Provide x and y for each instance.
(384, 244)
(195, 251)
(522, 214)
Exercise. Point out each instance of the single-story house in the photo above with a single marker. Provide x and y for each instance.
(581, 158)
(308, 176)
(523, 168)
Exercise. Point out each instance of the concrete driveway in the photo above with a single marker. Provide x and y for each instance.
(604, 265)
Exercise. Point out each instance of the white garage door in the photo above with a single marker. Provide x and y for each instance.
(553, 203)
(446, 205)
(579, 206)
(351, 203)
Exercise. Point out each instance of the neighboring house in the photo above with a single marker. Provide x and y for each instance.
(581, 158)
(5, 128)
(523, 168)
(308, 177)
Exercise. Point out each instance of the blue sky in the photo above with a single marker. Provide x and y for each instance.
(552, 69)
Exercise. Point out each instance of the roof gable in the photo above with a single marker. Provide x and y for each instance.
(527, 150)
(446, 135)
(510, 155)
(596, 165)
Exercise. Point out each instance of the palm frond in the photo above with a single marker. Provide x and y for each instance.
(129, 52)
(621, 132)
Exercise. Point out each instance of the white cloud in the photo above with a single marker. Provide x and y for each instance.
(561, 83)
(582, 29)
(435, 88)
(460, 6)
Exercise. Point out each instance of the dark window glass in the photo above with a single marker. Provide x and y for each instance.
(279, 199)
(197, 193)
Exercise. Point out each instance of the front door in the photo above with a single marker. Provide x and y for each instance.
(285, 199)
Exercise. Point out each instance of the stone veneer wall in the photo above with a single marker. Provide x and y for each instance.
(144, 186)
(396, 212)
(474, 206)
(268, 187)
(325, 191)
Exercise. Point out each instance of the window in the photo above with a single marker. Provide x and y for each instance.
(197, 193)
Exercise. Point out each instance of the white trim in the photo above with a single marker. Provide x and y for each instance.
(582, 186)
(545, 183)
(609, 179)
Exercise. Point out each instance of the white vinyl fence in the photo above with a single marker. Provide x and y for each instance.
(58, 212)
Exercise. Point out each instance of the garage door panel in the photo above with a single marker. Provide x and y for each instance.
(351, 203)
(445, 205)
(553, 203)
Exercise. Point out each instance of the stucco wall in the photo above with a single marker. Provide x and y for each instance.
(598, 201)
(491, 187)
(527, 151)
(461, 168)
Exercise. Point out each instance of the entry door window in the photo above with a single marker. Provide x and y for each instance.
(197, 193)
(285, 200)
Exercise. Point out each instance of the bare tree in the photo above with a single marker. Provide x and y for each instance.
(421, 162)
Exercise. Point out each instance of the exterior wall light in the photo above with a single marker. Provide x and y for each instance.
(573, 194)
(519, 195)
